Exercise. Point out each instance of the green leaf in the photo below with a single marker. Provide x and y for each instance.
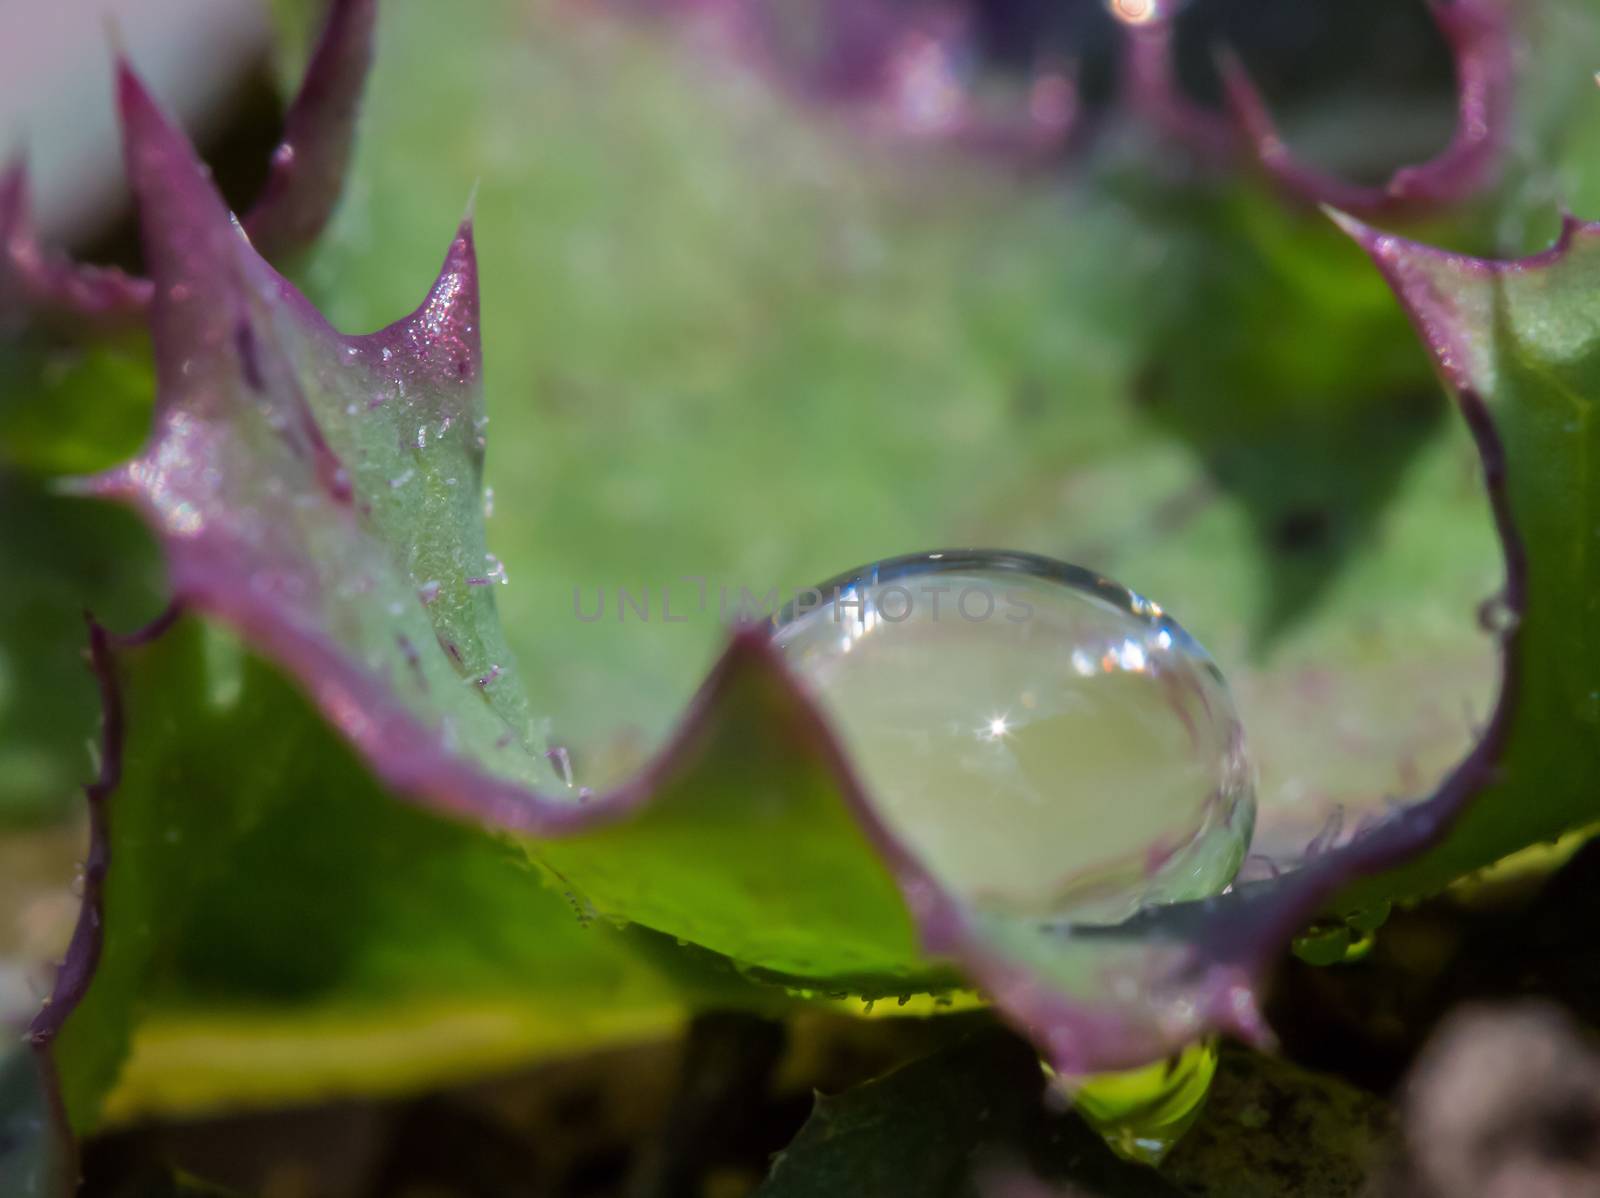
(1078, 373)
(276, 926)
(59, 556)
(1519, 343)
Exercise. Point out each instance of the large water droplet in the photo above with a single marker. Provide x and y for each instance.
(1046, 741)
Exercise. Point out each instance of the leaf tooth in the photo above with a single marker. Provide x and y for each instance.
(309, 165)
(1481, 45)
(45, 285)
(440, 342)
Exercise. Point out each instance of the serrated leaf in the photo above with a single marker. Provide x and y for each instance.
(1006, 375)
(762, 846)
(320, 493)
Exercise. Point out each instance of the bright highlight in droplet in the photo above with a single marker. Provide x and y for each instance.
(1046, 741)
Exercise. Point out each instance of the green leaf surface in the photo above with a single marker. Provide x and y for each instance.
(59, 556)
(717, 334)
(1519, 341)
(66, 408)
(277, 927)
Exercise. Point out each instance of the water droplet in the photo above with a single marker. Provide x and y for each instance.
(1496, 615)
(1142, 1113)
(1047, 742)
(563, 762)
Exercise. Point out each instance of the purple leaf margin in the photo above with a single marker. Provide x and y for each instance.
(38, 283)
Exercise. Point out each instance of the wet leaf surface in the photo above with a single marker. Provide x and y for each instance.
(968, 365)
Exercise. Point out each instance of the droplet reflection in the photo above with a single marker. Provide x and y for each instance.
(1048, 742)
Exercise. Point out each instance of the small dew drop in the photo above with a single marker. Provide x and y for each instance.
(562, 760)
(1497, 616)
(1047, 742)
